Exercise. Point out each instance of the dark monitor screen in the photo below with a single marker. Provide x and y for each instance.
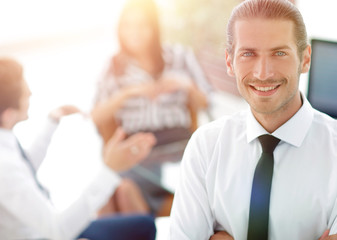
(322, 88)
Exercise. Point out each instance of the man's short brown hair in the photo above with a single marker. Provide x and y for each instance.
(11, 77)
(268, 9)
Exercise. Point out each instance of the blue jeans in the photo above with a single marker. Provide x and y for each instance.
(133, 227)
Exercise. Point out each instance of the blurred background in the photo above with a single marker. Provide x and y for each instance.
(64, 46)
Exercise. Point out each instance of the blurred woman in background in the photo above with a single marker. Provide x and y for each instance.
(152, 88)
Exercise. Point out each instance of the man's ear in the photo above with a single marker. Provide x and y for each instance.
(306, 60)
(229, 61)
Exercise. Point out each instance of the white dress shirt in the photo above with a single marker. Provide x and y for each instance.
(217, 172)
(25, 212)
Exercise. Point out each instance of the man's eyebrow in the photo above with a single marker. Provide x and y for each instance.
(249, 49)
(246, 49)
(283, 47)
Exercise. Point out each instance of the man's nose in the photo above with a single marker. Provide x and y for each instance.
(263, 68)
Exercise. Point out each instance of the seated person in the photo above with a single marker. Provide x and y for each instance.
(25, 207)
(148, 87)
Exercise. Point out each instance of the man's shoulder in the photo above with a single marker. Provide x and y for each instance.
(9, 162)
(227, 123)
(7, 156)
(323, 120)
(210, 136)
(324, 128)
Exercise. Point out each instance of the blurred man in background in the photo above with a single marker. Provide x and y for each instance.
(25, 207)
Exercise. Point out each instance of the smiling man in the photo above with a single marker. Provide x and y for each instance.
(269, 172)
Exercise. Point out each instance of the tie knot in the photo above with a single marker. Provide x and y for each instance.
(268, 143)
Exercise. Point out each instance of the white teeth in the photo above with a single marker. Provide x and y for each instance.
(264, 89)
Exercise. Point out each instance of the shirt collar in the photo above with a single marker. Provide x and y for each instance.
(7, 138)
(300, 122)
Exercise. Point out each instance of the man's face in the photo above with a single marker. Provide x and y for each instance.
(22, 111)
(266, 65)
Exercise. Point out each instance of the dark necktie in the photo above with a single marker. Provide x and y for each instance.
(260, 196)
(25, 157)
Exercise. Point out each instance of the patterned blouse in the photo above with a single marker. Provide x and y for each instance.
(168, 110)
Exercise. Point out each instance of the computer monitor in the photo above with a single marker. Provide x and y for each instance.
(322, 88)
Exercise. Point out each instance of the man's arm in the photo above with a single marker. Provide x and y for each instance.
(332, 225)
(226, 236)
(191, 216)
(22, 199)
(38, 149)
(331, 237)
(221, 236)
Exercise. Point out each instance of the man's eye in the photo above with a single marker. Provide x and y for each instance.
(248, 54)
(280, 53)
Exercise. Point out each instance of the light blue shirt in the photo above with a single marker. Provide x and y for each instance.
(217, 172)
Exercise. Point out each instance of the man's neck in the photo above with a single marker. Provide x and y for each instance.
(273, 121)
(8, 127)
